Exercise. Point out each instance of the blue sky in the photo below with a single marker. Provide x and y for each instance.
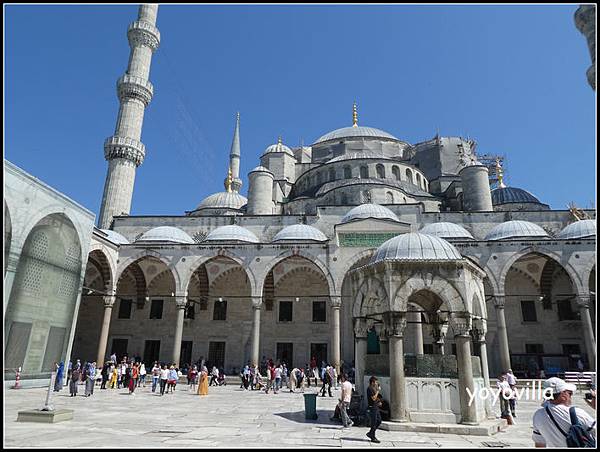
(511, 77)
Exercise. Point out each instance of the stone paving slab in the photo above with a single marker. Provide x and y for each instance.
(228, 416)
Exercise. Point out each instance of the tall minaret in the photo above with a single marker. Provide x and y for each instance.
(124, 150)
(234, 157)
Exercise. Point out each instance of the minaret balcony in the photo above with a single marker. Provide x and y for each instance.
(125, 148)
(132, 87)
(141, 33)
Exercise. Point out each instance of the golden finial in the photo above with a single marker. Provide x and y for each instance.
(354, 115)
(228, 181)
(500, 173)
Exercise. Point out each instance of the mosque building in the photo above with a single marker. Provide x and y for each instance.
(361, 249)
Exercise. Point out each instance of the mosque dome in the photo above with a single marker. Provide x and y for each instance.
(446, 231)
(415, 246)
(578, 230)
(300, 232)
(115, 237)
(369, 211)
(261, 169)
(231, 233)
(278, 147)
(223, 200)
(355, 132)
(505, 195)
(165, 234)
(516, 229)
(359, 155)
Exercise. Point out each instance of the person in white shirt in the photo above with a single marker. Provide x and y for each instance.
(512, 382)
(545, 432)
(505, 393)
(213, 376)
(164, 377)
(142, 379)
(345, 399)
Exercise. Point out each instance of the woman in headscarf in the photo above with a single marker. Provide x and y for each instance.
(90, 377)
(59, 377)
(203, 386)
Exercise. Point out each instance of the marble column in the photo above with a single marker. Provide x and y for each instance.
(479, 332)
(336, 304)
(415, 319)
(396, 325)
(588, 331)
(360, 353)
(181, 303)
(499, 301)
(255, 350)
(109, 301)
(461, 328)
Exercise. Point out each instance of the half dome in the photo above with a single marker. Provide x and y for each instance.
(369, 211)
(578, 230)
(445, 230)
(516, 229)
(231, 233)
(300, 232)
(415, 246)
(165, 234)
(354, 132)
(115, 237)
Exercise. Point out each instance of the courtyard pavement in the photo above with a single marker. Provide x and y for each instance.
(227, 417)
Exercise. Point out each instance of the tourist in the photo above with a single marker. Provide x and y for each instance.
(345, 399)
(213, 376)
(257, 379)
(203, 384)
(333, 376)
(114, 376)
(113, 358)
(142, 379)
(75, 374)
(326, 378)
(104, 374)
(135, 373)
(59, 377)
(270, 376)
(221, 378)
(193, 377)
(307, 374)
(246, 377)
(552, 422)
(512, 382)
(164, 377)
(172, 381)
(374, 401)
(301, 377)
(90, 375)
(284, 375)
(504, 397)
(277, 372)
(155, 375)
(293, 382)
(69, 371)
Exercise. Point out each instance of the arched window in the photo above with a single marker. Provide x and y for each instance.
(380, 171)
(409, 176)
(366, 196)
(389, 197)
(347, 172)
(396, 172)
(418, 179)
(331, 174)
(364, 172)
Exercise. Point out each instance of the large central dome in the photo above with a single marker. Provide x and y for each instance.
(356, 131)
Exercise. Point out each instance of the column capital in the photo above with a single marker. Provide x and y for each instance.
(461, 326)
(584, 301)
(109, 300)
(360, 328)
(181, 301)
(257, 302)
(479, 330)
(395, 324)
(336, 301)
(499, 301)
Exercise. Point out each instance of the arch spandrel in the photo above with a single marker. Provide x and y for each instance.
(150, 254)
(371, 299)
(440, 287)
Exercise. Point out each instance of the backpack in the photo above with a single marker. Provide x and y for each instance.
(578, 435)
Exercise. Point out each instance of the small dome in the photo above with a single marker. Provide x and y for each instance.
(578, 230)
(416, 247)
(515, 229)
(507, 195)
(115, 237)
(369, 211)
(223, 200)
(231, 233)
(165, 234)
(446, 231)
(261, 169)
(278, 147)
(359, 131)
(300, 232)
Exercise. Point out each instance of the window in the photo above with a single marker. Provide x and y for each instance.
(347, 172)
(216, 354)
(319, 351)
(454, 349)
(565, 310)
(389, 197)
(396, 172)
(365, 196)
(285, 353)
(124, 309)
(528, 311)
(418, 179)
(156, 309)
(185, 356)
(364, 172)
(220, 311)
(190, 311)
(380, 171)
(151, 352)
(319, 311)
(534, 349)
(409, 176)
(119, 348)
(285, 311)
(428, 349)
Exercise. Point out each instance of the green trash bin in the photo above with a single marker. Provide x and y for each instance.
(310, 406)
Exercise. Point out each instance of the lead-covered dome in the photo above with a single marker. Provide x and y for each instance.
(278, 147)
(516, 229)
(446, 230)
(355, 132)
(115, 237)
(506, 195)
(300, 232)
(369, 211)
(231, 233)
(165, 234)
(415, 246)
(578, 230)
(223, 200)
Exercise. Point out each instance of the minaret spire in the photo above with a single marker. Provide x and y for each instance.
(500, 173)
(234, 157)
(124, 150)
(354, 115)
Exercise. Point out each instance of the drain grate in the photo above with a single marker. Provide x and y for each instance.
(494, 444)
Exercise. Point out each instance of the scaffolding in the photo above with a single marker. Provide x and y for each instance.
(493, 162)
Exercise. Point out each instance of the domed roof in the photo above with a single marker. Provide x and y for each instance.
(359, 155)
(165, 234)
(369, 211)
(278, 147)
(415, 246)
(446, 230)
(261, 169)
(231, 232)
(115, 237)
(358, 131)
(578, 230)
(515, 229)
(506, 195)
(223, 200)
(300, 232)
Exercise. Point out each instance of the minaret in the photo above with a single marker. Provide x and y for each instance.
(124, 150)
(585, 21)
(234, 157)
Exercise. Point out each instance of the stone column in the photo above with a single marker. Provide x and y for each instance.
(109, 301)
(588, 331)
(256, 306)
(479, 332)
(396, 325)
(336, 304)
(415, 319)
(461, 328)
(360, 353)
(181, 302)
(499, 301)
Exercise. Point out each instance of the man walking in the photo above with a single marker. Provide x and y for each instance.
(374, 400)
(345, 399)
